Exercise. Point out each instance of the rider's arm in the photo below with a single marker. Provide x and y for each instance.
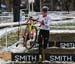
(36, 18)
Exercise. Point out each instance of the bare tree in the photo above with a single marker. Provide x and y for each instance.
(67, 5)
(0, 6)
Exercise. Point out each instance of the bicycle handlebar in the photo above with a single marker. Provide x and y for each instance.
(30, 20)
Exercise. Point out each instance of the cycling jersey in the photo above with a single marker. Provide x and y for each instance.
(46, 21)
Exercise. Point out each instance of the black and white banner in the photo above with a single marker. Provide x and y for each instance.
(60, 57)
(25, 57)
(48, 57)
(63, 44)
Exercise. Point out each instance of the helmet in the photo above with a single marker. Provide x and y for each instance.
(45, 8)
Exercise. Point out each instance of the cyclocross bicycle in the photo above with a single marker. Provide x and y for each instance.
(30, 34)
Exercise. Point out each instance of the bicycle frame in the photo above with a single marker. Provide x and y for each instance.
(30, 28)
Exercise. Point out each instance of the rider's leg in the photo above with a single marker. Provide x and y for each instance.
(40, 41)
(46, 38)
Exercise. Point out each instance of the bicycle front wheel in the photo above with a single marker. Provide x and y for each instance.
(31, 42)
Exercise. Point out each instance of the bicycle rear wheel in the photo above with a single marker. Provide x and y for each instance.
(31, 42)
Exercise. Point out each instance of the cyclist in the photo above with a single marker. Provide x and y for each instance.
(44, 20)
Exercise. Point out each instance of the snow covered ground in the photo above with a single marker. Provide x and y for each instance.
(2, 61)
(6, 31)
(15, 49)
(9, 30)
